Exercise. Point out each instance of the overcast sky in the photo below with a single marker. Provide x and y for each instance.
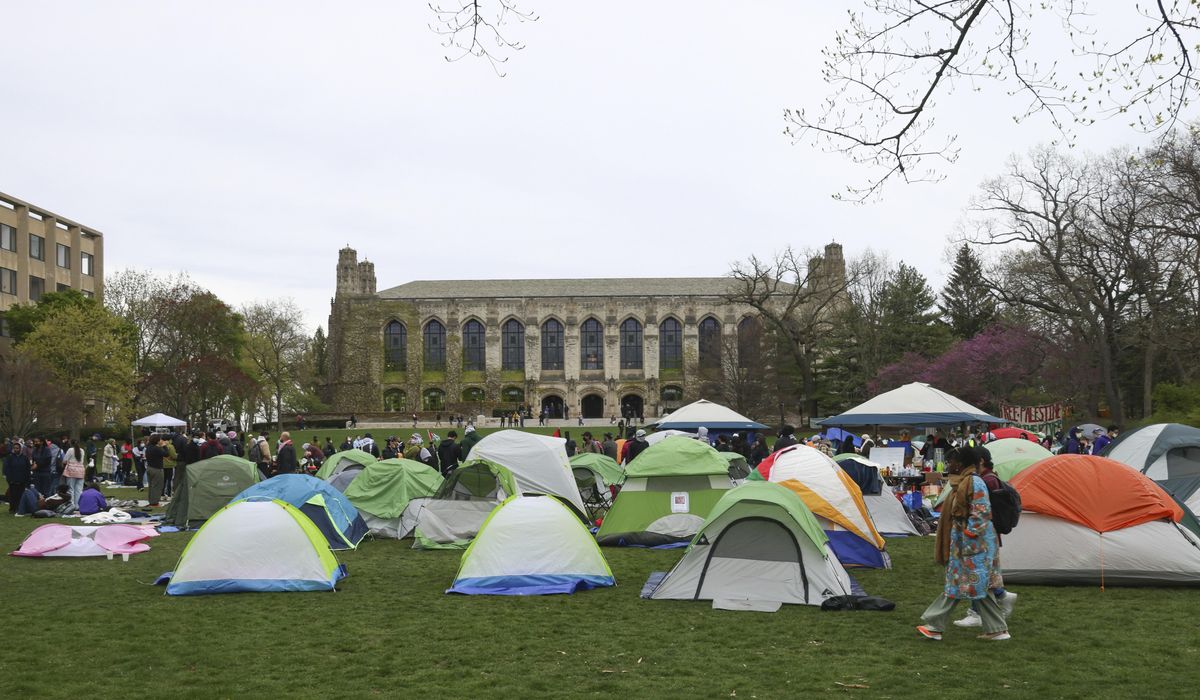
(245, 143)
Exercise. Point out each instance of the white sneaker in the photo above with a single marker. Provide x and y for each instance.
(996, 636)
(971, 619)
(1007, 602)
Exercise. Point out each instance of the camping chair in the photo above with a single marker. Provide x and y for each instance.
(592, 491)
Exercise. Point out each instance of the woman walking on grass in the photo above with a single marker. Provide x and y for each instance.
(967, 545)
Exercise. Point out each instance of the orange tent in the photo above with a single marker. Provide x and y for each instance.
(1096, 492)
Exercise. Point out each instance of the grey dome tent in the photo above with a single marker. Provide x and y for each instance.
(1168, 453)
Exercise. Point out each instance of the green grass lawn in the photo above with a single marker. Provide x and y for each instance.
(97, 627)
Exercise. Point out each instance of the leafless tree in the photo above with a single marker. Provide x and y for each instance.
(796, 296)
(474, 28)
(896, 58)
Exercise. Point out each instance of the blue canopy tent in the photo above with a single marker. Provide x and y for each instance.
(328, 508)
(913, 404)
(717, 419)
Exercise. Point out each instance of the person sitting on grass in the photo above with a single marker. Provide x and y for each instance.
(967, 546)
(92, 501)
(57, 502)
(30, 501)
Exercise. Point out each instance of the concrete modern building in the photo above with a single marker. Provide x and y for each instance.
(41, 252)
(590, 347)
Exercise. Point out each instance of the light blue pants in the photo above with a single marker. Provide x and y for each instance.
(76, 487)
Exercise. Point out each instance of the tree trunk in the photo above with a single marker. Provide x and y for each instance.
(1112, 392)
(1148, 380)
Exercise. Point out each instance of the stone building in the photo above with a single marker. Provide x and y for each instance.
(590, 347)
(41, 252)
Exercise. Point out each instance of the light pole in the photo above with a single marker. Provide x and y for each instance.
(781, 415)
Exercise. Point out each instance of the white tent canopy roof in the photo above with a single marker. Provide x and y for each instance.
(159, 420)
(913, 404)
(706, 414)
(538, 463)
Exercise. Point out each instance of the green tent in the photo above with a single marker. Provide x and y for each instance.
(668, 492)
(678, 456)
(209, 486)
(1011, 456)
(382, 490)
(338, 462)
(759, 546)
(453, 516)
(608, 469)
(739, 468)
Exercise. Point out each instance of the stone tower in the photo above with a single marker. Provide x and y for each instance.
(834, 264)
(354, 278)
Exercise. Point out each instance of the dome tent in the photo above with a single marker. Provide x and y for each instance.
(538, 463)
(382, 491)
(606, 468)
(451, 518)
(255, 546)
(833, 497)
(668, 492)
(1168, 453)
(1011, 456)
(341, 468)
(889, 516)
(329, 510)
(1091, 520)
(759, 543)
(208, 486)
(531, 545)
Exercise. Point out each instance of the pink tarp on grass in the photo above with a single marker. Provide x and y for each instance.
(56, 540)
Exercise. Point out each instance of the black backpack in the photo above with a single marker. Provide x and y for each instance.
(1006, 507)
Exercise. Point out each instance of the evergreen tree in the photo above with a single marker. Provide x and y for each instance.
(966, 304)
(909, 321)
(320, 352)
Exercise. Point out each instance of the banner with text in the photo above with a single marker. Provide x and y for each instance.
(1046, 419)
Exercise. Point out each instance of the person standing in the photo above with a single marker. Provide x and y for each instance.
(758, 451)
(40, 457)
(449, 453)
(637, 445)
(110, 457)
(967, 546)
(74, 471)
(787, 438)
(18, 473)
(609, 446)
(285, 460)
(569, 445)
(470, 437)
(154, 469)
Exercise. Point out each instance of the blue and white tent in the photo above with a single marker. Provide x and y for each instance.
(913, 404)
(706, 414)
(532, 545)
(255, 546)
(333, 514)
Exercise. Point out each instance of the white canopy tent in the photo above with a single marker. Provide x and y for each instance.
(913, 404)
(159, 420)
(706, 414)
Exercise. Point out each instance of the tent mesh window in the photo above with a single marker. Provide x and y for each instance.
(552, 345)
(670, 344)
(395, 343)
(631, 344)
(435, 345)
(473, 346)
(512, 345)
(591, 345)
